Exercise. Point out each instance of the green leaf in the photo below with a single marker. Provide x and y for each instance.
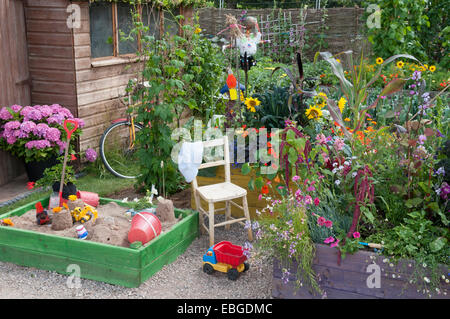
(413, 202)
(438, 244)
(259, 183)
(251, 184)
(246, 169)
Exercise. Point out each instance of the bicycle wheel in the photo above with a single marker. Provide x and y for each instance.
(118, 150)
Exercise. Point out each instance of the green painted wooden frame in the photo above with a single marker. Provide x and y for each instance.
(115, 265)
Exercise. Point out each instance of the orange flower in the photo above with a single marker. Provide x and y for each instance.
(276, 179)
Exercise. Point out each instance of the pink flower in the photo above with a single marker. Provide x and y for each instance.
(356, 234)
(321, 139)
(316, 201)
(260, 197)
(335, 244)
(329, 240)
(5, 114)
(311, 189)
(321, 221)
(328, 224)
(338, 144)
(325, 157)
(295, 178)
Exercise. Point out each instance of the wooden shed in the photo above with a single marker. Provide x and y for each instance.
(69, 53)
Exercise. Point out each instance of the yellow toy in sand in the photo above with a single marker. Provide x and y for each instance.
(84, 215)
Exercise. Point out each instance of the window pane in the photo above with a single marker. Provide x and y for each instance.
(150, 18)
(125, 24)
(100, 15)
(170, 24)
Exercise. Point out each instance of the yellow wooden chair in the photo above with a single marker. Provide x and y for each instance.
(221, 192)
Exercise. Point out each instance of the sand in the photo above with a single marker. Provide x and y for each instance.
(111, 227)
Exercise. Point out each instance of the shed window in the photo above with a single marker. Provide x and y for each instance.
(101, 21)
(108, 21)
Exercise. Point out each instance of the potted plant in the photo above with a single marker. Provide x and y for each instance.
(35, 134)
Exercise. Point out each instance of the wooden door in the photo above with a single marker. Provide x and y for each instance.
(14, 75)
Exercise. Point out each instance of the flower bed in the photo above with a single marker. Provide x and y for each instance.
(354, 278)
(116, 265)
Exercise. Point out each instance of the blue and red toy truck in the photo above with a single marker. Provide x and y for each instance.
(225, 257)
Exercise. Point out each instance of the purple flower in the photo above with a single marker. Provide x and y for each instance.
(422, 139)
(5, 114)
(13, 125)
(40, 129)
(11, 139)
(56, 119)
(38, 144)
(445, 190)
(33, 114)
(91, 155)
(80, 122)
(416, 75)
(52, 134)
(16, 108)
(440, 171)
(45, 110)
(27, 126)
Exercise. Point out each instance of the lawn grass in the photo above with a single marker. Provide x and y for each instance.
(106, 185)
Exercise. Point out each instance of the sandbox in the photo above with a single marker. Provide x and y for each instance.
(99, 258)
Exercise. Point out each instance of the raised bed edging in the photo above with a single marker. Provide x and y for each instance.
(349, 280)
(107, 263)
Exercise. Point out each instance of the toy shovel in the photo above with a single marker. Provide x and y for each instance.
(69, 135)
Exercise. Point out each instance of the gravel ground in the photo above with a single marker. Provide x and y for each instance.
(183, 279)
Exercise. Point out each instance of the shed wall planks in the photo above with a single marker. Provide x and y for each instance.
(14, 85)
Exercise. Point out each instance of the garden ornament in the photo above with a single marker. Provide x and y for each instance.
(69, 135)
(42, 217)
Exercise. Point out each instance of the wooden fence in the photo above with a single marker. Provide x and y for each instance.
(340, 28)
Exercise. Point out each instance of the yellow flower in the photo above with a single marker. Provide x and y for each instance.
(341, 104)
(321, 100)
(425, 66)
(432, 68)
(313, 112)
(252, 103)
(242, 96)
(379, 61)
(338, 61)
(347, 119)
(197, 30)
(400, 64)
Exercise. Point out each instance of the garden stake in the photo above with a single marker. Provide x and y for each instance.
(69, 135)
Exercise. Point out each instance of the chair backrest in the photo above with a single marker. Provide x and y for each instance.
(225, 161)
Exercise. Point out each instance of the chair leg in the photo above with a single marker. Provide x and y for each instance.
(211, 224)
(247, 215)
(201, 217)
(227, 214)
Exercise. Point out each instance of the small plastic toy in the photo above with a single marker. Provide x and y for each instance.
(225, 257)
(144, 227)
(6, 222)
(42, 217)
(84, 215)
(81, 232)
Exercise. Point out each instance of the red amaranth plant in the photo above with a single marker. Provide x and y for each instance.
(364, 192)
